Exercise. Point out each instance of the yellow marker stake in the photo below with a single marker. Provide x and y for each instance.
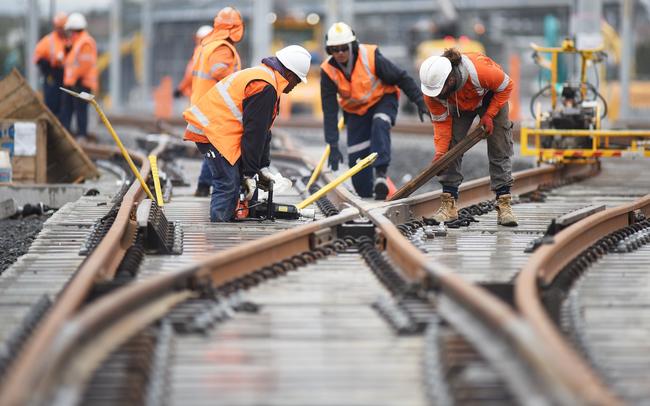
(91, 99)
(364, 163)
(319, 167)
(156, 179)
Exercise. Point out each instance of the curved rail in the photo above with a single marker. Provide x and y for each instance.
(545, 265)
(81, 341)
(100, 265)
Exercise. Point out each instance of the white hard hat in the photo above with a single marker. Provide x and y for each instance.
(433, 74)
(203, 31)
(339, 34)
(76, 21)
(297, 59)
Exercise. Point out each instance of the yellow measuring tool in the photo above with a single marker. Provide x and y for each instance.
(91, 99)
(153, 160)
(362, 164)
(319, 167)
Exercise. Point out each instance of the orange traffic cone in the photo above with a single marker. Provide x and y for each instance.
(391, 187)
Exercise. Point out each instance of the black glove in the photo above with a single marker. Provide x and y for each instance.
(177, 94)
(335, 157)
(43, 66)
(423, 111)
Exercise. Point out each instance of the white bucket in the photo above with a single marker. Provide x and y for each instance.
(5, 166)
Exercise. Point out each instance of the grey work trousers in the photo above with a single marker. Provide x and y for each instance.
(499, 143)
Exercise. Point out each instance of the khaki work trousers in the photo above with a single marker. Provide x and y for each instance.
(499, 146)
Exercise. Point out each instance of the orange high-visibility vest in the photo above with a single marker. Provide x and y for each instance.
(52, 48)
(81, 63)
(364, 89)
(185, 86)
(479, 74)
(203, 72)
(218, 115)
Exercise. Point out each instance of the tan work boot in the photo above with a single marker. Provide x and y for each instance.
(447, 210)
(505, 216)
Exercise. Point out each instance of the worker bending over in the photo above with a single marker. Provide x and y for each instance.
(185, 85)
(236, 117)
(80, 73)
(49, 56)
(216, 59)
(367, 86)
(458, 87)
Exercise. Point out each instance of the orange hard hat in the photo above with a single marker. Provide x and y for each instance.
(228, 24)
(59, 19)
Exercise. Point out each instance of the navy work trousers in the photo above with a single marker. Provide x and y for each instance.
(71, 105)
(371, 133)
(51, 92)
(205, 177)
(226, 181)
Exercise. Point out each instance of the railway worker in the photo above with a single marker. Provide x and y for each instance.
(79, 73)
(49, 56)
(184, 87)
(457, 88)
(235, 116)
(217, 58)
(367, 86)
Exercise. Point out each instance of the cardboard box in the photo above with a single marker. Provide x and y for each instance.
(26, 141)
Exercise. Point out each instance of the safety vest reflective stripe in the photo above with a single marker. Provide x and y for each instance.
(199, 115)
(473, 75)
(382, 116)
(222, 87)
(504, 84)
(218, 65)
(201, 75)
(358, 147)
(194, 129)
(440, 117)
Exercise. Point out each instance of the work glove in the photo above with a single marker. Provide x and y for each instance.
(249, 184)
(335, 157)
(177, 94)
(265, 178)
(487, 123)
(423, 111)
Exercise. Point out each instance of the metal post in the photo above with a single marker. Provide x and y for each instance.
(262, 33)
(31, 16)
(626, 58)
(115, 68)
(146, 22)
(332, 15)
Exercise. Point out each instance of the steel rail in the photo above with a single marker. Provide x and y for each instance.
(239, 261)
(100, 265)
(545, 265)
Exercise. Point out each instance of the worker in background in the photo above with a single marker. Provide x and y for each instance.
(458, 87)
(236, 117)
(185, 86)
(217, 59)
(80, 73)
(367, 86)
(49, 55)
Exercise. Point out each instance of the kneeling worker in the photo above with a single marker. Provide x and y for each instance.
(458, 87)
(367, 85)
(236, 117)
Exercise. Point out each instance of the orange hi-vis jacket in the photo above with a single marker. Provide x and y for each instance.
(52, 48)
(185, 86)
(218, 115)
(216, 60)
(479, 74)
(364, 89)
(81, 63)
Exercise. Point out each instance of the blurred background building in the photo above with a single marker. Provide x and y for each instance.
(154, 39)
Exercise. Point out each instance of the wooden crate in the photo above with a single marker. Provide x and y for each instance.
(30, 167)
(66, 161)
